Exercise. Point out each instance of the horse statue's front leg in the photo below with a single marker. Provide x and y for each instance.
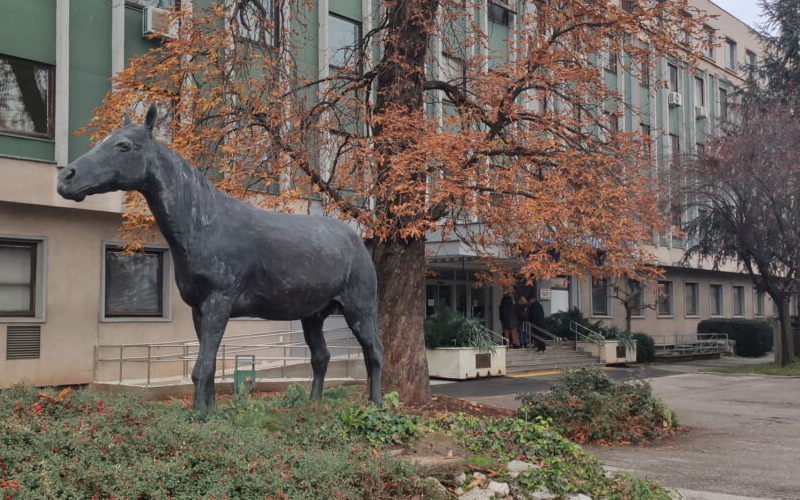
(210, 319)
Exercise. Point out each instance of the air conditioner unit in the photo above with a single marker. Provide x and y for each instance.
(156, 21)
(674, 99)
(700, 112)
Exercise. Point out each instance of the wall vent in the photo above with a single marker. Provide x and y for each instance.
(23, 342)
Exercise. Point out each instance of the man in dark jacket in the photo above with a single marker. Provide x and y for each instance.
(508, 318)
(536, 316)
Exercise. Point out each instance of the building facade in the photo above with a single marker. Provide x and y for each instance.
(65, 288)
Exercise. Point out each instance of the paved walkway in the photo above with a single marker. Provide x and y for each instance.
(743, 434)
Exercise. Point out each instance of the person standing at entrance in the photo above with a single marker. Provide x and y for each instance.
(522, 313)
(536, 316)
(508, 318)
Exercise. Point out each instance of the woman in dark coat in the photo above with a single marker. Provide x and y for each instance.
(536, 316)
(508, 318)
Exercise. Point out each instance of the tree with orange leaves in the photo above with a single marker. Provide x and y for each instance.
(419, 127)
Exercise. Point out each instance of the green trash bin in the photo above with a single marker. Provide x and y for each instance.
(244, 380)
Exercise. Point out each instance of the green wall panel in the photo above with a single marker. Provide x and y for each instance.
(346, 8)
(28, 29)
(90, 65)
(27, 148)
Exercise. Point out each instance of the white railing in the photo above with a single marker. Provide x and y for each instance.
(694, 343)
(281, 349)
(537, 332)
(585, 334)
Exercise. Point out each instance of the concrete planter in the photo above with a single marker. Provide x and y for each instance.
(610, 352)
(465, 362)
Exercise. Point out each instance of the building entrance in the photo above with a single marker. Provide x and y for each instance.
(456, 290)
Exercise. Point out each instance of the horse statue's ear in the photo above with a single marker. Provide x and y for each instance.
(126, 119)
(150, 117)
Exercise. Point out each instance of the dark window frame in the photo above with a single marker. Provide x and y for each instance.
(51, 100)
(34, 246)
(500, 13)
(671, 297)
(718, 305)
(360, 55)
(605, 284)
(276, 28)
(739, 293)
(108, 313)
(696, 304)
(673, 86)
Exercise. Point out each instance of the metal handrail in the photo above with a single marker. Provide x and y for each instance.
(542, 334)
(588, 334)
(495, 336)
(226, 352)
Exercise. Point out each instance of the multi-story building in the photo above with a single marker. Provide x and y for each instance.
(65, 288)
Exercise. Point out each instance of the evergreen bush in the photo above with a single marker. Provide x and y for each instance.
(448, 328)
(587, 406)
(753, 337)
(645, 347)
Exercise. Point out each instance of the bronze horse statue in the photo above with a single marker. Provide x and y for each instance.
(233, 259)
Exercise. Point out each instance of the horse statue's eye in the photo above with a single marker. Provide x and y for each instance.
(124, 146)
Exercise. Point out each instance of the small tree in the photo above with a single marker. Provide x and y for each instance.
(746, 191)
(631, 296)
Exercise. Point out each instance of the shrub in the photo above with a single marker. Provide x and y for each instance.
(753, 337)
(448, 328)
(380, 425)
(645, 347)
(558, 323)
(588, 406)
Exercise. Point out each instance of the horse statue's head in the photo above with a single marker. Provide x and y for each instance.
(118, 162)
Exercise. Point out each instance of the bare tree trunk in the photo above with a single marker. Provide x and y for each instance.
(784, 343)
(401, 286)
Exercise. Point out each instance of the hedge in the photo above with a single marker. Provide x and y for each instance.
(645, 348)
(753, 337)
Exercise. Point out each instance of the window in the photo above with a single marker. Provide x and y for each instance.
(647, 139)
(454, 71)
(18, 259)
(692, 299)
(758, 303)
(738, 300)
(134, 284)
(627, 6)
(699, 91)
(730, 54)
(723, 105)
(715, 300)
(710, 41)
(255, 21)
(610, 58)
(161, 4)
(500, 13)
(665, 298)
(644, 77)
(675, 178)
(701, 149)
(750, 60)
(673, 77)
(600, 297)
(344, 38)
(613, 122)
(26, 97)
(637, 298)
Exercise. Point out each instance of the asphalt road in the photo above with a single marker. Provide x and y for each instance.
(743, 431)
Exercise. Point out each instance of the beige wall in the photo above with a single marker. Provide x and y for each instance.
(664, 328)
(72, 325)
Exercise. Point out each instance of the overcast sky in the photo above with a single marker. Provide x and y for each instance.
(746, 10)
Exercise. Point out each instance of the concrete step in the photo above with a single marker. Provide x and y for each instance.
(523, 360)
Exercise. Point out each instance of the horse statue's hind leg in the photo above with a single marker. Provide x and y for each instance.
(362, 320)
(312, 332)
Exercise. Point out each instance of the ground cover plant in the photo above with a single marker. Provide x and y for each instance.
(792, 370)
(587, 406)
(87, 445)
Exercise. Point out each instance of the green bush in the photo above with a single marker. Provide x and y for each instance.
(753, 337)
(380, 425)
(645, 347)
(558, 323)
(588, 406)
(448, 328)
